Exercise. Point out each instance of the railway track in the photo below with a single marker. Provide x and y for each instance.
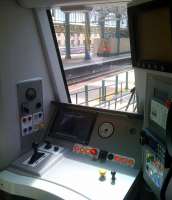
(93, 75)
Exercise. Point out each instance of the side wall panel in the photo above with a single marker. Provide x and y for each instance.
(141, 85)
(21, 57)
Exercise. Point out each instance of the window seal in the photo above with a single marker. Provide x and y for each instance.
(58, 54)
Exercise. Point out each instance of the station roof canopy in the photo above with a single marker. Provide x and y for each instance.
(62, 3)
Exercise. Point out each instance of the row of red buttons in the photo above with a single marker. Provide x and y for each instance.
(85, 150)
(93, 151)
(124, 160)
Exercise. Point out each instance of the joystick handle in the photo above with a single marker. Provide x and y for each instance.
(35, 147)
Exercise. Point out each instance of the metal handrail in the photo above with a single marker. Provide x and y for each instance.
(117, 95)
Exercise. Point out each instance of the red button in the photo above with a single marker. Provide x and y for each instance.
(116, 158)
(93, 151)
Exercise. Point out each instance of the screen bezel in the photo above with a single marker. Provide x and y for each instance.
(76, 111)
(133, 13)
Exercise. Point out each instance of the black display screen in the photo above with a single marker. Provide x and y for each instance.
(150, 29)
(154, 35)
(73, 125)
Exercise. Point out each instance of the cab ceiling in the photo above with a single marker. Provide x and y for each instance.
(57, 3)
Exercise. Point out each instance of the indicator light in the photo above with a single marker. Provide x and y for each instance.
(116, 158)
(82, 150)
(76, 148)
(87, 151)
(131, 162)
(93, 151)
(124, 160)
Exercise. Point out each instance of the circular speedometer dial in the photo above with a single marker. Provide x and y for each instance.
(106, 130)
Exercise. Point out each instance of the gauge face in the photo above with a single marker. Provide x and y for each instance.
(106, 130)
(30, 94)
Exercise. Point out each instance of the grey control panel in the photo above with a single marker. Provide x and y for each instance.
(30, 102)
(111, 136)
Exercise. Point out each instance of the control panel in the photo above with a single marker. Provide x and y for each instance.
(120, 135)
(30, 102)
(107, 136)
(156, 160)
(155, 167)
(39, 159)
(156, 135)
(97, 154)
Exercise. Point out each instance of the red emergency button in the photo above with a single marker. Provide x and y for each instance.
(93, 151)
(116, 158)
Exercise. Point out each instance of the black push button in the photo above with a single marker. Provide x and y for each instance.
(48, 145)
(56, 148)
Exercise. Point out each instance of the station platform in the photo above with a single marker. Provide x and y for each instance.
(78, 62)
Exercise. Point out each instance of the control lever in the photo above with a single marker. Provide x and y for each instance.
(35, 147)
(36, 155)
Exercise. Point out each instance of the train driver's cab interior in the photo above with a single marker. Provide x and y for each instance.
(85, 100)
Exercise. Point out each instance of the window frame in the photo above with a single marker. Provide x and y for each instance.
(50, 19)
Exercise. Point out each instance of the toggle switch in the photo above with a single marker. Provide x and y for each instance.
(113, 173)
(56, 148)
(48, 145)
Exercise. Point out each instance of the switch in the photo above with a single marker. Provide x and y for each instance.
(24, 120)
(38, 105)
(113, 173)
(110, 156)
(25, 108)
(56, 148)
(102, 155)
(48, 145)
(30, 128)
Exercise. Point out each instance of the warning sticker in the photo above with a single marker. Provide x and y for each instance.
(159, 114)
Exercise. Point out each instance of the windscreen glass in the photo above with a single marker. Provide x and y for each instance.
(94, 45)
